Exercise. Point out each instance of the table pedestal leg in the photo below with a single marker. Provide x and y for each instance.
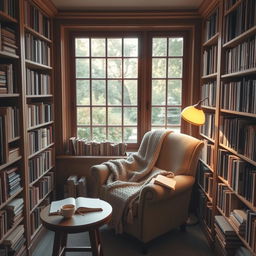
(60, 240)
(95, 240)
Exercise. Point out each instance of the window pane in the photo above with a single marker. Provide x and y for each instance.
(173, 115)
(130, 92)
(174, 92)
(82, 92)
(114, 47)
(130, 47)
(98, 92)
(130, 68)
(83, 132)
(174, 129)
(114, 68)
(158, 68)
(98, 68)
(115, 134)
(99, 133)
(98, 47)
(175, 68)
(176, 46)
(130, 134)
(158, 92)
(158, 116)
(159, 47)
(83, 115)
(114, 92)
(82, 47)
(130, 116)
(99, 115)
(114, 116)
(82, 68)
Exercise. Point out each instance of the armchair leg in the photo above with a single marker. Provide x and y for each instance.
(183, 227)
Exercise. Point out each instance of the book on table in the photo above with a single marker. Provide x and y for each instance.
(82, 205)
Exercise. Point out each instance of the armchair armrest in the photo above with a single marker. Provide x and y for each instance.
(154, 192)
(99, 174)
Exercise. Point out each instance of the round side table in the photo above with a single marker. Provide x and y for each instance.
(90, 222)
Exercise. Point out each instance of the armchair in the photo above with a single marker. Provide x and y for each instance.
(158, 210)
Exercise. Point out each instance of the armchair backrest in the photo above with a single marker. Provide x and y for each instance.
(179, 153)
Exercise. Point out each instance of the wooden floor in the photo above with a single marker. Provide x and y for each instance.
(189, 243)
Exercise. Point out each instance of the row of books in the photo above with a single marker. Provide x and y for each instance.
(208, 128)
(75, 187)
(7, 84)
(235, 95)
(226, 240)
(205, 209)
(35, 19)
(241, 57)
(10, 183)
(83, 147)
(229, 3)
(8, 41)
(35, 220)
(205, 179)
(14, 243)
(240, 19)
(37, 50)
(239, 134)
(37, 83)
(3, 141)
(39, 139)
(238, 220)
(240, 175)
(40, 164)
(41, 189)
(11, 214)
(211, 25)
(209, 91)
(210, 60)
(207, 153)
(8, 7)
(39, 113)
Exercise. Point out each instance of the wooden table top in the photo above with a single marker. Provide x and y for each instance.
(78, 223)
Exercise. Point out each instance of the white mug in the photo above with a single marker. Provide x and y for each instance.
(67, 210)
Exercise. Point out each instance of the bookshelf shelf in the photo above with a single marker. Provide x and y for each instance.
(38, 66)
(209, 108)
(14, 139)
(211, 76)
(213, 40)
(208, 166)
(11, 230)
(238, 113)
(240, 73)
(3, 166)
(36, 232)
(37, 34)
(40, 125)
(7, 18)
(10, 95)
(10, 199)
(240, 38)
(234, 6)
(39, 96)
(206, 194)
(8, 55)
(207, 138)
(40, 151)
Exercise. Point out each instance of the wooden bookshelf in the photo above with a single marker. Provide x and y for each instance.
(235, 102)
(16, 23)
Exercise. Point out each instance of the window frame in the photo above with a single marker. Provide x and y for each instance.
(144, 72)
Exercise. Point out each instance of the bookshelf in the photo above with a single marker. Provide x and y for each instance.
(227, 169)
(27, 159)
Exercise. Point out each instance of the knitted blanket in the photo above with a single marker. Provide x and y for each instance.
(128, 176)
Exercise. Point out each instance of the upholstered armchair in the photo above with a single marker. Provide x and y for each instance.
(158, 209)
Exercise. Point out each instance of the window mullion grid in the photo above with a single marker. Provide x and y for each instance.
(122, 90)
(90, 79)
(106, 88)
(166, 83)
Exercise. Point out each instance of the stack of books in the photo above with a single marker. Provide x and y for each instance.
(238, 220)
(14, 210)
(75, 187)
(15, 242)
(6, 78)
(227, 241)
(8, 39)
(3, 224)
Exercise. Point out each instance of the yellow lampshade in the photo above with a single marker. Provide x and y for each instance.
(193, 115)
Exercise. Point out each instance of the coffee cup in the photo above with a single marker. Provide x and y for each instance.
(67, 210)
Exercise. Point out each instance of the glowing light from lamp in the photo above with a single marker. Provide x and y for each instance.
(194, 114)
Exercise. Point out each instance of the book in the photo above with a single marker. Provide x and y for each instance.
(82, 205)
(165, 181)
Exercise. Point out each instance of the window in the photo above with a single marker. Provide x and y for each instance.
(109, 85)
